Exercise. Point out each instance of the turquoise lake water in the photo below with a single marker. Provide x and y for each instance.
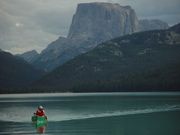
(93, 114)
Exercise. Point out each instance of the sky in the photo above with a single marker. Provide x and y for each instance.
(33, 24)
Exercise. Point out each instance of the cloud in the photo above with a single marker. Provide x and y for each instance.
(33, 24)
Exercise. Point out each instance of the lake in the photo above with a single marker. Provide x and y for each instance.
(93, 114)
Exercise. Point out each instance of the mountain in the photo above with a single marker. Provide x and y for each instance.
(145, 61)
(146, 25)
(15, 73)
(29, 56)
(102, 21)
(176, 28)
(93, 23)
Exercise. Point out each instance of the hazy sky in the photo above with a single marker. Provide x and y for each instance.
(33, 24)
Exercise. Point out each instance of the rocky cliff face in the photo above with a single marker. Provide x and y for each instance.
(92, 24)
(145, 25)
(102, 21)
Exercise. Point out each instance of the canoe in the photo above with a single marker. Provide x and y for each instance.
(39, 121)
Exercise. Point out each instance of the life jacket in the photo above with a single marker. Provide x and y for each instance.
(40, 113)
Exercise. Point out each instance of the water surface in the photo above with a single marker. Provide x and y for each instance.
(93, 114)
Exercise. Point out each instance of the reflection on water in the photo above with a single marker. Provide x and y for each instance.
(41, 129)
(93, 114)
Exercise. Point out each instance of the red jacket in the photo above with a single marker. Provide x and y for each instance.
(40, 112)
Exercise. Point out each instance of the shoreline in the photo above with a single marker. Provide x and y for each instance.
(66, 94)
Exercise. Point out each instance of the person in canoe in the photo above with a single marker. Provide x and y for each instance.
(40, 120)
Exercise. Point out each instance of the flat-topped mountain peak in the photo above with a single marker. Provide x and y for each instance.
(102, 21)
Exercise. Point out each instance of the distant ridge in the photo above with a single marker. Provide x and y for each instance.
(15, 73)
(154, 24)
(29, 56)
